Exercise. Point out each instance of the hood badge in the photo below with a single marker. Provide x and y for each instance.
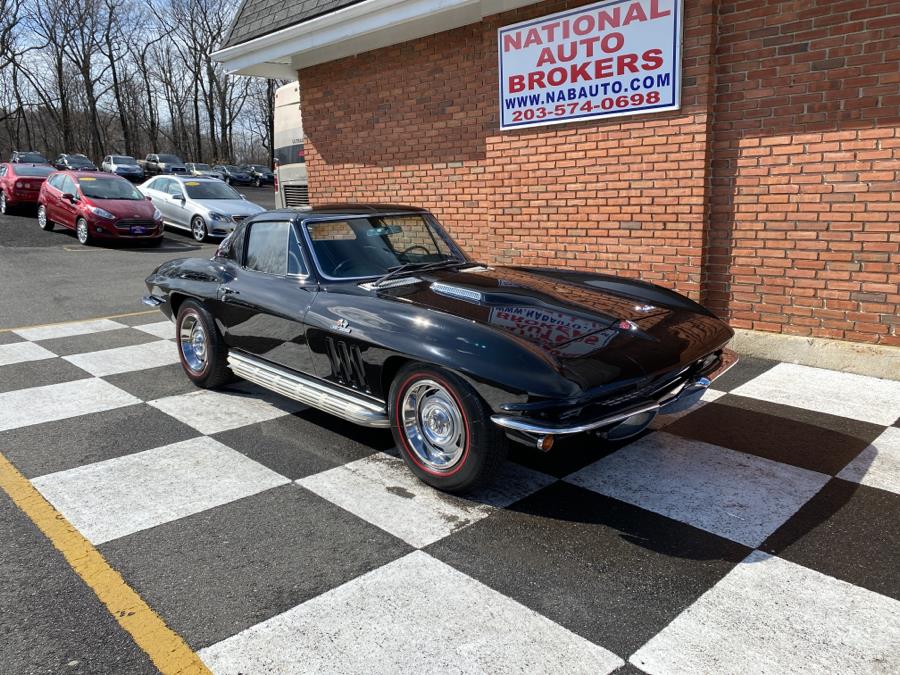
(342, 326)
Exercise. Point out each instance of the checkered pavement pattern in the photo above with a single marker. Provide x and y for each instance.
(759, 532)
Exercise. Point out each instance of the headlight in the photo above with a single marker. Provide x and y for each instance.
(103, 213)
(218, 216)
(157, 215)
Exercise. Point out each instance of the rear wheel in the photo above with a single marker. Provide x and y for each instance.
(257, 182)
(4, 206)
(83, 232)
(45, 223)
(201, 349)
(443, 429)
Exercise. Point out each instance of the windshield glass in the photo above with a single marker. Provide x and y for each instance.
(374, 245)
(32, 157)
(209, 189)
(232, 167)
(100, 187)
(171, 159)
(35, 171)
(122, 159)
(75, 160)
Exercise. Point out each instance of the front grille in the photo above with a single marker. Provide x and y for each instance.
(126, 224)
(296, 195)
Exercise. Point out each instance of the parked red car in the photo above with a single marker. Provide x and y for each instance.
(21, 183)
(98, 206)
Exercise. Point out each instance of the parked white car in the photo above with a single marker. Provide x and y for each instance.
(206, 207)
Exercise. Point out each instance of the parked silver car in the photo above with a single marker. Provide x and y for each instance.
(122, 165)
(206, 207)
(198, 169)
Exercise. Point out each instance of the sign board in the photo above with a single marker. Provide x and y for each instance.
(619, 57)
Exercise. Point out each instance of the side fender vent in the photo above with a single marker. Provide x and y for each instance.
(347, 365)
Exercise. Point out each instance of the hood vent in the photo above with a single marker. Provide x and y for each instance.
(390, 283)
(457, 292)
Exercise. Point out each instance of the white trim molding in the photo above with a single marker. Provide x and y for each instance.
(359, 28)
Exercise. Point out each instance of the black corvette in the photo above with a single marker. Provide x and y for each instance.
(374, 314)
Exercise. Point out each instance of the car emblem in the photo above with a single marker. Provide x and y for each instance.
(644, 308)
(342, 325)
(625, 324)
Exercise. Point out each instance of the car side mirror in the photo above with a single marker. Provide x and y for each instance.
(177, 198)
(148, 198)
(68, 196)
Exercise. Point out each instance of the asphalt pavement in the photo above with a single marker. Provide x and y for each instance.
(49, 277)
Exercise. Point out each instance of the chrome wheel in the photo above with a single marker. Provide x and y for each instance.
(433, 425)
(2, 202)
(81, 231)
(42, 217)
(192, 341)
(198, 229)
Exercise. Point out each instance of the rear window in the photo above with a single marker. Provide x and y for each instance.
(121, 159)
(34, 171)
(171, 159)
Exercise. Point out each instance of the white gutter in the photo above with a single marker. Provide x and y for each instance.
(353, 30)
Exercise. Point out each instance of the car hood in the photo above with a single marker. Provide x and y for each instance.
(126, 208)
(230, 207)
(596, 328)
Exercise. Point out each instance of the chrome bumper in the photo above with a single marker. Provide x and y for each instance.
(152, 300)
(678, 399)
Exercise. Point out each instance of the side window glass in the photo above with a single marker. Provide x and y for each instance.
(161, 184)
(173, 188)
(267, 247)
(68, 186)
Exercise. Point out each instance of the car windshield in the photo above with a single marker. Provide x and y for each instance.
(121, 159)
(32, 157)
(100, 187)
(171, 159)
(376, 245)
(34, 171)
(232, 167)
(209, 189)
(75, 160)
(201, 167)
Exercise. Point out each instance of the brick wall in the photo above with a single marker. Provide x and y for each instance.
(768, 195)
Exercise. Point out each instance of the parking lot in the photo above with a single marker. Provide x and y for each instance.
(236, 531)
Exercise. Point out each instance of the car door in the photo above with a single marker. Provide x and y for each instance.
(67, 210)
(264, 304)
(177, 205)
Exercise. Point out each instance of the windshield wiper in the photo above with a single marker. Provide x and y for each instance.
(417, 266)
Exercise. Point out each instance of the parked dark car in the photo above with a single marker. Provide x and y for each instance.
(156, 164)
(233, 175)
(259, 174)
(98, 206)
(374, 314)
(75, 162)
(20, 184)
(123, 165)
(27, 157)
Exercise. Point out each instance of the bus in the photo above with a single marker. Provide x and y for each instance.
(291, 184)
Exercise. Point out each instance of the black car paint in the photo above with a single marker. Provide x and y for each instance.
(607, 334)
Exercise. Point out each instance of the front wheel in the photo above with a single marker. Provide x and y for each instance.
(443, 429)
(201, 348)
(4, 206)
(198, 228)
(83, 232)
(257, 183)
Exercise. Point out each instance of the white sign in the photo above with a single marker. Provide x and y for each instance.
(619, 57)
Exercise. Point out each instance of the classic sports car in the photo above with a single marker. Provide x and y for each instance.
(374, 314)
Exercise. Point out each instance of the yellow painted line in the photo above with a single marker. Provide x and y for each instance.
(168, 651)
(96, 318)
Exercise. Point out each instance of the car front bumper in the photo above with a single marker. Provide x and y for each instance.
(681, 396)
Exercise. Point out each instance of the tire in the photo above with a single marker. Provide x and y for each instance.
(257, 183)
(469, 447)
(204, 360)
(45, 223)
(83, 232)
(198, 229)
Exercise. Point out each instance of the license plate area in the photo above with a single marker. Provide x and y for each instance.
(138, 229)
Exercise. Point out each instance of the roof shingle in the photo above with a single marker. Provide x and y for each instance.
(256, 18)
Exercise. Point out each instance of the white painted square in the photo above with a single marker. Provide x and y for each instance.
(116, 497)
(769, 615)
(210, 412)
(164, 330)
(856, 396)
(19, 352)
(878, 465)
(381, 490)
(126, 359)
(662, 421)
(24, 407)
(70, 329)
(729, 493)
(414, 615)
